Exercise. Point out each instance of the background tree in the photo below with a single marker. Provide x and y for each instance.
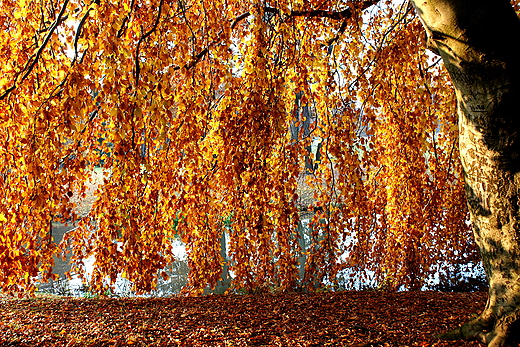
(194, 102)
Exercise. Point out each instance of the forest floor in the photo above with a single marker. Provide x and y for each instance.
(364, 318)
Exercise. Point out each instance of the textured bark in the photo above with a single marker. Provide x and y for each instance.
(478, 43)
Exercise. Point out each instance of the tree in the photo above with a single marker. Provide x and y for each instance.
(470, 36)
(188, 106)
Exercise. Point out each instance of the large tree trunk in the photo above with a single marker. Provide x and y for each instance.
(478, 41)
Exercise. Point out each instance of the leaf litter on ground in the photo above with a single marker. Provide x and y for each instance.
(351, 318)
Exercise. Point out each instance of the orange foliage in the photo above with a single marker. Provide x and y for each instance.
(187, 107)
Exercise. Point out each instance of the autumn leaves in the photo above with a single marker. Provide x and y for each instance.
(188, 105)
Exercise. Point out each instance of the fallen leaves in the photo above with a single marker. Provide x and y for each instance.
(327, 319)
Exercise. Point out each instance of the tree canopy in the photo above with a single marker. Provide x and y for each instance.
(190, 108)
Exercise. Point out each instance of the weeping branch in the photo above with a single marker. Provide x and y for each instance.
(330, 14)
(336, 15)
(144, 37)
(31, 63)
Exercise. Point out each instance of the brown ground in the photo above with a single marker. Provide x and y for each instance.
(328, 319)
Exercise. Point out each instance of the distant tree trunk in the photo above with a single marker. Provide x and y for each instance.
(478, 41)
(225, 279)
(301, 127)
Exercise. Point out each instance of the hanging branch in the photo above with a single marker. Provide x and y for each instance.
(335, 15)
(31, 63)
(144, 37)
(78, 35)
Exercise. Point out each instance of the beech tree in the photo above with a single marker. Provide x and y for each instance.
(187, 108)
(471, 38)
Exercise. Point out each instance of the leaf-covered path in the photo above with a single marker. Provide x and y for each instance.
(328, 319)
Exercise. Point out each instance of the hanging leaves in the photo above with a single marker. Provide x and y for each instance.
(193, 112)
